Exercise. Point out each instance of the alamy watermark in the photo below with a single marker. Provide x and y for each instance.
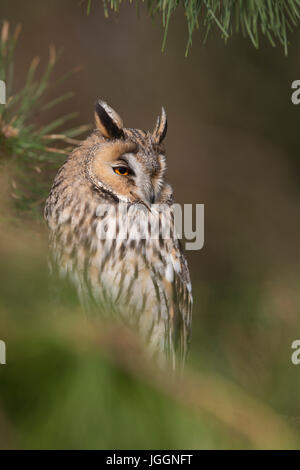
(2, 92)
(158, 222)
(295, 357)
(2, 352)
(150, 459)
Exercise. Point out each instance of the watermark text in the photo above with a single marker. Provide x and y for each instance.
(2, 352)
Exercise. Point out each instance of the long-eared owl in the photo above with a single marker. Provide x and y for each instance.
(103, 200)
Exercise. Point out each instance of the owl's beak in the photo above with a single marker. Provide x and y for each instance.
(138, 200)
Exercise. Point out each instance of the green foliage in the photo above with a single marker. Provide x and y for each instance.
(272, 18)
(22, 140)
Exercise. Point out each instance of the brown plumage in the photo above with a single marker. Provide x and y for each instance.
(143, 280)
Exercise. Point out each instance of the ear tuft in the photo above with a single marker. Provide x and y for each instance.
(108, 121)
(161, 127)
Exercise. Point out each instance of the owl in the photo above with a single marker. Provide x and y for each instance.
(103, 200)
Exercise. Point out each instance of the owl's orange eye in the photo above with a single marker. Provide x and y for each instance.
(121, 170)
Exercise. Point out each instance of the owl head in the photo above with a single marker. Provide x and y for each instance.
(129, 164)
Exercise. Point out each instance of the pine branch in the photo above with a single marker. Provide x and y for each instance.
(29, 145)
(273, 19)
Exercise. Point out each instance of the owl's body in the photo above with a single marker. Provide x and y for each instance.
(101, 205)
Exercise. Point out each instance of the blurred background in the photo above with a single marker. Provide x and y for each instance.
(233, 145)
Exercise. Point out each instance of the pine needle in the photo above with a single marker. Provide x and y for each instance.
(253, 18)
